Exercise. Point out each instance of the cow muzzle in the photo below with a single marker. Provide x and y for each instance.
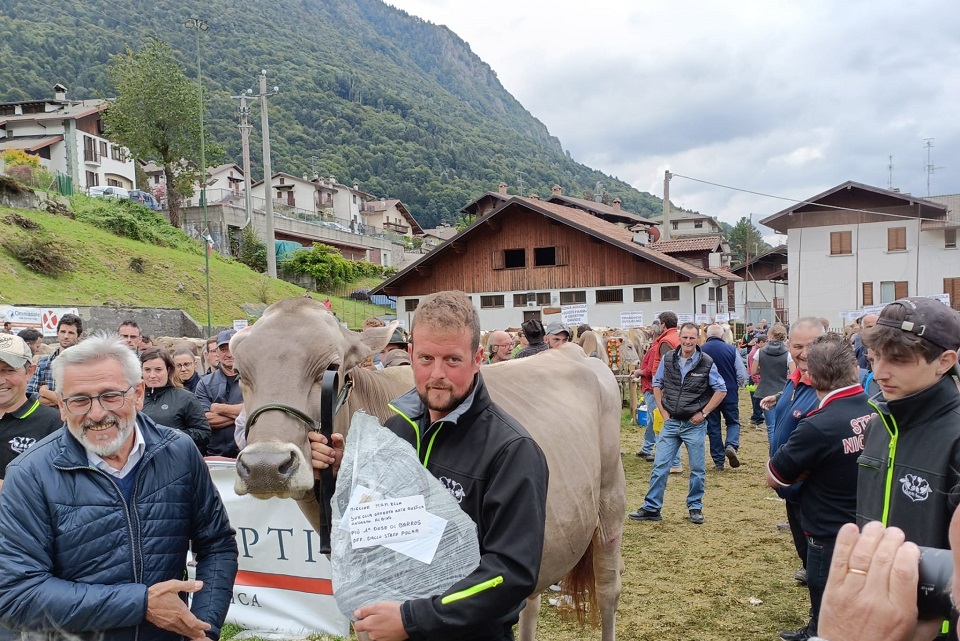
(269, 469)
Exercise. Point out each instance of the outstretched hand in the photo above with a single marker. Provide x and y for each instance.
(166, 610)
(323, 455)
(381, 621)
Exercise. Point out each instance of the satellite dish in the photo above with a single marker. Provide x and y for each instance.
(654, 234)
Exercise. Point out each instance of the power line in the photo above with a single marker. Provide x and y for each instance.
(807, 202)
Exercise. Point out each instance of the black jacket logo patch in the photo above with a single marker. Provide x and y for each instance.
(916, 488)
(454, 487)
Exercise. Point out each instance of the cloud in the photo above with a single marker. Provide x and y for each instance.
(786, 98)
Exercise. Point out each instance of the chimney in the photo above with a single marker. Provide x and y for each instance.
(533, 197)
(333, 181)
(305, 176)
(502, 188)
(556, 190)
(616, 204)
(356, 187)
(641, 238)
(59, 92)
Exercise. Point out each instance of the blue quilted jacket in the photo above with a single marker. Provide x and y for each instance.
(74, 558)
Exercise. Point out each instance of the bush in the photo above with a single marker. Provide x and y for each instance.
(38, 253)
(253, 253)
(132, 220)
(19, 158)
(328, 266)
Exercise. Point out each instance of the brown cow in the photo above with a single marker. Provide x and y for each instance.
(575, 420)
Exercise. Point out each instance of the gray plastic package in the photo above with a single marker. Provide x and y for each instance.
(384, 466)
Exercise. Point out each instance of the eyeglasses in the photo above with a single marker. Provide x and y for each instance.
(130, 337)
(109, 401)
(184, 365)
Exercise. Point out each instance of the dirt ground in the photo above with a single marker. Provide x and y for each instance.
(695, 582)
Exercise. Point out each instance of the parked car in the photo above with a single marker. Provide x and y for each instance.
(108, 191)
(144, 198)
(360, 294)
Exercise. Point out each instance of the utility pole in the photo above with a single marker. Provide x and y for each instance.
(267, 174)
(202, 25)
(245, 128)
(665, 232)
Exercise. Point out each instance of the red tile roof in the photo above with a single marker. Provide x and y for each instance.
(696, 244)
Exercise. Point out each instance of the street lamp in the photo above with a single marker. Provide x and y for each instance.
(202, 25)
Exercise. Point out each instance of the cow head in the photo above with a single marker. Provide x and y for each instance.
(281, 360)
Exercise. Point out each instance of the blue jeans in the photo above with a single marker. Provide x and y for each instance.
(819, 554)
(770, 417)
(731, 415)
(649, 437)
(674, 433)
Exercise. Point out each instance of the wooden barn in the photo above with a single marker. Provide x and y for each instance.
(528, 258)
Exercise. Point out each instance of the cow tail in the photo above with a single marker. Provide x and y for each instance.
(581, 585)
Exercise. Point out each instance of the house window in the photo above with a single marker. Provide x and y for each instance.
(410, 305)
(641, 295)
(490, 302)
(867, 293)
(114, 183)
(671, 292)
(841, 243)
(674, 225)
(950, 241)
(281, 180)
(514, 258)
(609, 295)
(698, 224)
(115, 152)
(103, 148)
(896, 239)
(952, 286)
(543, 299)
(893, 290)
(93, 179)
(519, 300)
(572, 298)
(711, 294)
(544, 256)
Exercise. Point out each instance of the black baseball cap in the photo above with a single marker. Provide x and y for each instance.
(927, 318)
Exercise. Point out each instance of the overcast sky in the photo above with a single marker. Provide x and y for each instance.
(780, 97)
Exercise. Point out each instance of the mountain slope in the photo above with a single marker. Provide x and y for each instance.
(369, 94)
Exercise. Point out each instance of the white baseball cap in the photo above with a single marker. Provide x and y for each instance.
(14, 351)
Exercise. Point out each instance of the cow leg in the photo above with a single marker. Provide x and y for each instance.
(608, 568)
(528, 618)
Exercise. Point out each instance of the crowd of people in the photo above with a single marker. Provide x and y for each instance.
(862, 429)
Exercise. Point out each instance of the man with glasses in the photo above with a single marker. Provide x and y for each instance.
(500, 345)
(132, 498)
(129, 332)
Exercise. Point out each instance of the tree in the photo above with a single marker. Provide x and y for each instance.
(745, 239)
(156, 115)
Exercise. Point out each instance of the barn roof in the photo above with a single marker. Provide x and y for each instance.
(587, 223)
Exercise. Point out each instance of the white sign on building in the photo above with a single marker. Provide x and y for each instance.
(574, 314)
(631, 319)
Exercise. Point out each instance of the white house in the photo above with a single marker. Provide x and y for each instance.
(855, 246)
(67, 135)
(686, 223)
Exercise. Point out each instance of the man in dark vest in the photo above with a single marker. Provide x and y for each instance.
(687, 387)
(734, 374)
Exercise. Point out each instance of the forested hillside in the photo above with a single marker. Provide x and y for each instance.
(368, 93)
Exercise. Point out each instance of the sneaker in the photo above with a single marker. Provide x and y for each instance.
(800, 634)
(646, 456)
(800, 576)
(731, 453)
(696, 516)
(676, 470)
(718, 467)
(645, 515)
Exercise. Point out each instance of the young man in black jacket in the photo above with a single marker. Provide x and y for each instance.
(910, 466)
(488, 461)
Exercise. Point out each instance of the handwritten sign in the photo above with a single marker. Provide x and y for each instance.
(240, 324)
(722, 318)
(684, 318)
(387, 521)
(631, 319)
(574, 314)
(702, 318)
(734, 316)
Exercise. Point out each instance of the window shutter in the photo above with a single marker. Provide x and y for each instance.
(846, 242)
(900, 289)
(896, 239)
(952, 286)
(498, 259)
(563, 255)
(834, 243)
(868, 294)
